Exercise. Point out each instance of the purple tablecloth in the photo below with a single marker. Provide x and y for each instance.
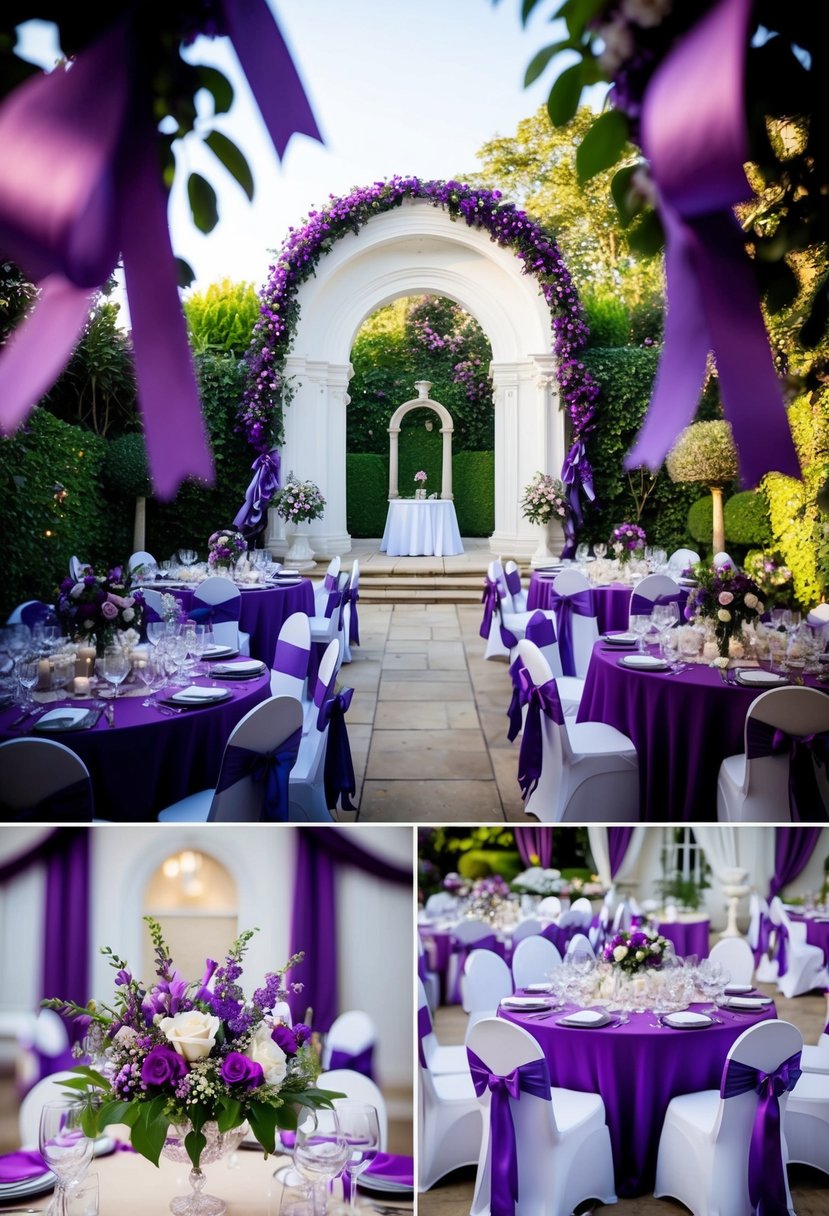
(612, 602)
(149, 759)
(637, 1068)
(817, 932)
(689, 937)
(263, 611)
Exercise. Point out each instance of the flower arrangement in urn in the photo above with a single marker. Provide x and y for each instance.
(100, 606)
(626, 540)
(188, 1054)
(299, 501)
(420, 478)
(727, 599)
(544, 499)
(633, 950)
(225, 548)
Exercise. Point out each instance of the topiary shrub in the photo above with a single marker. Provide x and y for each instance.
(747, 519)
(473, 866)
(705, 452)
(497, 861)
(608, 319)
(700, 517)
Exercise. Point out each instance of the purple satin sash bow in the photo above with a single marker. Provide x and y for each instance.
(513, 581)
(263, 486)
(575, 473)
(514, 709)
(217, 614)
(640, 605)
(490, 600)
(763, 936)
(766, 1169)
(360, 1061)
(334, 601)
(424, 1027)
(270, 769)
(350, 596)
(92, 129)
(540, 630)
(331, 582)
(694, 135)
(539, 698)
(805, 801)
(580, 603)
(531, 1078)
(291, 660)
(340, 781)
(71, 804)
(781, 946)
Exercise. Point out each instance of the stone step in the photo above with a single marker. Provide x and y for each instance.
(430, 587)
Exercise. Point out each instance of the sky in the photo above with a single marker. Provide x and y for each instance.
(411, 87)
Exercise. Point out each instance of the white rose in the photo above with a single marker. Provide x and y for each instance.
(127, 615)
(619, 953)
(264, 1051)
(193, 1034)
(723, 615)
(750, 600)
(640, 954)
(125, 1037)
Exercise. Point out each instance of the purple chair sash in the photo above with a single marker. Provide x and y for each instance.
(539, 698)
(462, 950)
(805, 801)
(350, 596)
(217, 614)
(531, 1078)
(640, 605)
(763, 935)
(334, 601)
(781, 945)
(540, 630)
(766, 1170)
(357, 1061)
(580, 603)
(340, 781)
(271, 769)
(424, 1027)
(263, 486)
(291, 660)
(514, 709)
(331, 582)
(513, 581)
(490, 600)
(72, 804)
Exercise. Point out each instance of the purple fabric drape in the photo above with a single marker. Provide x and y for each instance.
(792, 849)
(535, 846)
(618, 840)
(65, 970)
(320, 852)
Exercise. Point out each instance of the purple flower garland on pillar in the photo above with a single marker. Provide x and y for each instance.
(260, 416)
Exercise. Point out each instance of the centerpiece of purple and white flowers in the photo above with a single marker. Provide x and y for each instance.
(225, 548)
(191, 1054)
(727, 599)
(634, 950)
(100, 606)
(627, 540)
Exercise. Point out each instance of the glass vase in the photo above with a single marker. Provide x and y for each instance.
(219, 1144)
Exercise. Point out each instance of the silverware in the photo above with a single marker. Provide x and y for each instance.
(5, 1210)
(27, 713)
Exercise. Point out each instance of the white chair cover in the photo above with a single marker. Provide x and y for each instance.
(533, 960)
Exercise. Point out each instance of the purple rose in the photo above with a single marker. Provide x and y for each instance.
(109, 611)
(285, 1038)
(162, 1066)
(239, 1070)
(302, 1032)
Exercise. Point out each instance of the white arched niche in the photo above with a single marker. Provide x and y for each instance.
(417, 249)
(446, 429)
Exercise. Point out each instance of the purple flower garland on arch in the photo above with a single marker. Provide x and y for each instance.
(260, 414)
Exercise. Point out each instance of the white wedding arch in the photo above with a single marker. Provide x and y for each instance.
(417, 249)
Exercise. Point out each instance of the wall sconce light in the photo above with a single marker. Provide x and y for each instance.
(185, 867)
(428, 424)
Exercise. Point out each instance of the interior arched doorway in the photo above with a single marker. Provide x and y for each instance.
(413, 250)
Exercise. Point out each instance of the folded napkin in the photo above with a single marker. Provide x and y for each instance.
(22, 1166)
(524, 1002)
(390, 1167)
(65, 718)
(748, 1002)
(585, 1017)
(249, 667)
(195, 692)
(686, 1019)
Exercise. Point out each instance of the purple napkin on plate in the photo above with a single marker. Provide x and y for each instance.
(21, 1166)
(390, 1167)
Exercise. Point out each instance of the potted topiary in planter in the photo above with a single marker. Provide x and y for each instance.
(705, 452)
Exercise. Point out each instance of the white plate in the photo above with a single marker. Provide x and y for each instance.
(738, 989)
(39, 1185)
(585, 1018)
(686, 1019)
(247, 668)
(220, 652)
(619, 639)
(196, 695)
(61, 719)
(643, 662)
(759, 679)
(539, 988)
(748, 1002)
(525, 1002)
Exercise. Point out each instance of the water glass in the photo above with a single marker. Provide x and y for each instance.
(27, 671)
(320, 1153)
(116, 666)
(360, 1125)
(640, 625)
(64, 1147)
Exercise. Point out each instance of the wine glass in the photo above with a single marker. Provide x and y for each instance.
(27, 671)
(188, 557)
(582, 552)
(64, 1147)
(600, 549)
(116, 667)
(360, 1125)
(156, 631)
(640, 625)
(320, 1153)
(197, 640)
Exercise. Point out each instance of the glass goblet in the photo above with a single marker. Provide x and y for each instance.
(320, 1153)
(600, 549)
(64, 1148)
(188, 557)
(640, 625)
(27, 670)
(155, 631)
(116, 667)
(360, 1125)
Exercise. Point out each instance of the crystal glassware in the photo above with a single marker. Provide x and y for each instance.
(64, 1148)
(320, 1153)
(116, 667)
(360, 1125)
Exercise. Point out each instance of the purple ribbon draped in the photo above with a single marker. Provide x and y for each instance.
(270, 769)
(766, 1169)
(291, 660)
(695, 137)
(490, 600)
(82, 184)
(72, 804)
(357, 1061)
(513, 581)
(538, 698)
(350, 596)
(640, 605)
(578, 603)
(263, 486)
(805, 800)
(225, 610)
(575, 474)
(779, 940)
(424, 1027)
(764, 928)
(340, 781)
(530, 1078)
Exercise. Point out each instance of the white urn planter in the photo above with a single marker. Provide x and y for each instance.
(549, 546)
(735, 887)
(299, 555)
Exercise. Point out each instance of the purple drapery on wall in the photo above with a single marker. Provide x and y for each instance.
(535, 846)
(792, 849)
(618, 840)
(320, 852)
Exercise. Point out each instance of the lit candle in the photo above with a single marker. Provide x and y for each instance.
(86, 657)
(44, 674)
(81, 686)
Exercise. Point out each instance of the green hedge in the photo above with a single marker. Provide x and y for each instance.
(747, 524)
(367, 489)
(473, 485)
(478, 863)
(367, 493)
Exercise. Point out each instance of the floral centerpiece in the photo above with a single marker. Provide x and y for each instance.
(539, 881)
(188, 1054)
(633, 950)
(100, 607)
(299, 501)
(544, 499)
(455, 885)
(626, 540)
(225, 548)
(420, 478)
(726, 599)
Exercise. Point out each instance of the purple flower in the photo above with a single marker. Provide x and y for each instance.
(161, 1066)
(286, 1038)
(303, 1033)
(239, 1070)
(122, 978)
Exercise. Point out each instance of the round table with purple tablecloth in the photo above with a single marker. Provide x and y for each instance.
(612, 602)
(150, 759)
(440, 946)
(688, 936)
(636, 1068)
(817, 931)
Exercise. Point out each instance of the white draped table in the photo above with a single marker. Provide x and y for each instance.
(421, 527)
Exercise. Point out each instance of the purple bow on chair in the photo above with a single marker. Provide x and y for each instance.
(531, 1078)
(640, 605)
(82, 184)
(291, 660)
(340, 781)
(490, 600)
(541, 632)
(216, 614)
(694, 135)
(357, 1061)
(272, 769)
(424, 1027)
(578, 603)
(263, 486)
(779, 943)
(350, 596)
(766, 1170)
(805, 801)
(539, 698)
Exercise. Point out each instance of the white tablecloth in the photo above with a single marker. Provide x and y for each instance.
(426, 527)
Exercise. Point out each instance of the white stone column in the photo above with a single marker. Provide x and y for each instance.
(446, 467)
(394, 436)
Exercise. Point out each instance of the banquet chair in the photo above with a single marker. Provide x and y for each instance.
(327, 621)
(351, 594)
(806, 1121)
(818, 618)
(350, 1042)
(43, 781)
(576, 623)
(579, 941)
(589, 770)
(583, 909)
(561, 1139)
(754, 785)
(141, 558)
(757, 910)
(441, 903)
(469, 934)
(47, 1089)
(430, 979)
(704, 1147)
(650, 590)
(549, 908)
(533, 959)
(43, 1049)
(800, 965)
(518, 593)
(219, 601)
(308, 801)
(815, 1056)
(153, 604)
(681, 560)
(486, 980)
(721, 559)
(529, 927)
(598, 933)
(736, 957)
(440, 1058)
(33, 613)
(357, 1087)
(243, 795)
(322, 587)
(290, 659)
(541, 630)
(449, 1123)
(495, 594)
